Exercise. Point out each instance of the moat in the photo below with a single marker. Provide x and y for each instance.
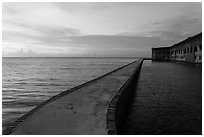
(167, 100)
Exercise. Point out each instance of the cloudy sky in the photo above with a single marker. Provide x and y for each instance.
(96, 29)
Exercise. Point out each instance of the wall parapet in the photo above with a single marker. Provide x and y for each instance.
(118, 107)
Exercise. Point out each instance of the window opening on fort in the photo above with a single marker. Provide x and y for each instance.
(200, 57)
(195, 49)
(191, 49)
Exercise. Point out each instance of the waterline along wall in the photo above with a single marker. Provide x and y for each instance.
(118, 106)
(96, 107)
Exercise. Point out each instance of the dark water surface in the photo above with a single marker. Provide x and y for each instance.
(168, 100)
(27, 82)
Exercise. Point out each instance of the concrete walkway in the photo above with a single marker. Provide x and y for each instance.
(80, 112)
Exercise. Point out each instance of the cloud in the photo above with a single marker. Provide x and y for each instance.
(21, 53)
(97, 29)
(38, 34)
(176, 29)
(115, 41)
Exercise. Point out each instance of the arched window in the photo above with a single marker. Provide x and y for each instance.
(195, 49)
(191, 49)
(200, 47)
(185, 50)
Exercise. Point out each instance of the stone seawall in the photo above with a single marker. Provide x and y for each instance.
(118, 106)
(83, 109)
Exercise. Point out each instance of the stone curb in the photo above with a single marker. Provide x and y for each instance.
(116, 109)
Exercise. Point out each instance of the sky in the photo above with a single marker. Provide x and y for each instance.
(90, 29)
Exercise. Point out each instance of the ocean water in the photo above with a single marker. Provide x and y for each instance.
(27, 82)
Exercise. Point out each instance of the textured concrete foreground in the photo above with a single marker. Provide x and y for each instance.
(82, 111)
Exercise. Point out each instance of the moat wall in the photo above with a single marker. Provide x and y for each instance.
(118, 106)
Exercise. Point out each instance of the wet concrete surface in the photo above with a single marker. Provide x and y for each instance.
(167, 101)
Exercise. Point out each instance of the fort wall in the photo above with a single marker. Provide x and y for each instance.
(189, 50)
(161, 53)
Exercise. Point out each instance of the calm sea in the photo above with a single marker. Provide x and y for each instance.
(27, 82)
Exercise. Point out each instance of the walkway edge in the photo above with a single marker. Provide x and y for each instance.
(117, 108)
